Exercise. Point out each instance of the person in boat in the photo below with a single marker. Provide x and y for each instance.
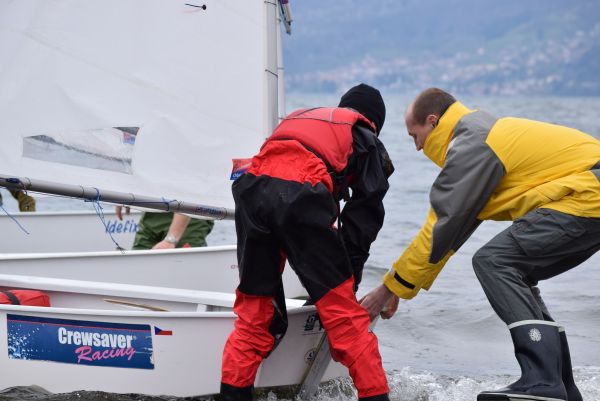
(287, 205)
(26, 202)
(168, 230)
(543, 177)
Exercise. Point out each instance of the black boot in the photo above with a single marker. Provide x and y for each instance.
(538, 351)
(573, 393)
(381, 397)
(232, 393)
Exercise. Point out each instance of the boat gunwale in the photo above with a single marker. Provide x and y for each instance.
(124, 313)
(207, 298)
(124, 253)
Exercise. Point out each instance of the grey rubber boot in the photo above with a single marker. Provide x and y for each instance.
(573, 393)
(538, 351)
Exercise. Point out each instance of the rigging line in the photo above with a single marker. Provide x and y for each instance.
(13, 219)
(168, 204)
(100, 213)
(203, 6)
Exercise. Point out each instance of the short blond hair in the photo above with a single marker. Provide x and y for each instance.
(431, 101)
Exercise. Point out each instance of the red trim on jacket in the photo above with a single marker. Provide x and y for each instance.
(289, 160)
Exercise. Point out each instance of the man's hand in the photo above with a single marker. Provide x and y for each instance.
(164, 245)
(380, 301)
(390, 308)
(119, 211)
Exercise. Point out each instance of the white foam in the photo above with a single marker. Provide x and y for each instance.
(411, 385)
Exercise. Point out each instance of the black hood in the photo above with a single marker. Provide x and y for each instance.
(367, 101)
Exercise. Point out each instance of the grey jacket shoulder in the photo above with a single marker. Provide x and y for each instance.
(474, 127)
(471, 173)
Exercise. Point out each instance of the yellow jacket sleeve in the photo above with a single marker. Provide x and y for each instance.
(412, 271)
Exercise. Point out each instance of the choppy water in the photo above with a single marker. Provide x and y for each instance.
(446, 344)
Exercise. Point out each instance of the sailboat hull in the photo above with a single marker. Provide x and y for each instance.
(179, 351)
(212, 269)
(77, 231)
(209, 268)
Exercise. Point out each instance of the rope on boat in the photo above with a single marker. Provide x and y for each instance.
(100, 213)
(15, 220)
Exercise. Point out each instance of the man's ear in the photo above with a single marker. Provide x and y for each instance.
(432, 119)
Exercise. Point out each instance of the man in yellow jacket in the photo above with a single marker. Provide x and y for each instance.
(543, 177)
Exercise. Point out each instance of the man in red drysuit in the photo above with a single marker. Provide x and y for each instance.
(287, 205)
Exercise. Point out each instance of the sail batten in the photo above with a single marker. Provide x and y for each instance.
(75, 76)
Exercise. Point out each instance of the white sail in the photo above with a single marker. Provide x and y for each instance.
(151, 97)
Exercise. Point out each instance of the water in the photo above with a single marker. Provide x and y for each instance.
(446, 344)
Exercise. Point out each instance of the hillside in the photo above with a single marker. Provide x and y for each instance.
(468, 46)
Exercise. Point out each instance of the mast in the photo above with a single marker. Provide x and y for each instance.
(272, 65)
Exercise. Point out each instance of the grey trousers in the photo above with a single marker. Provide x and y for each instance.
(540, 245)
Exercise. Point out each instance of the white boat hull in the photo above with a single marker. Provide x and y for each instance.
(80, 231)
(185, 363)
(209, 268)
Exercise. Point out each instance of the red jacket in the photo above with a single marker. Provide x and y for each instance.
(309, 145)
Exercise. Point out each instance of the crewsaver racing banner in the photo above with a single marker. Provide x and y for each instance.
(80, 342)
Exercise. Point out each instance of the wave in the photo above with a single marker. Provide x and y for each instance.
(406, 384)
